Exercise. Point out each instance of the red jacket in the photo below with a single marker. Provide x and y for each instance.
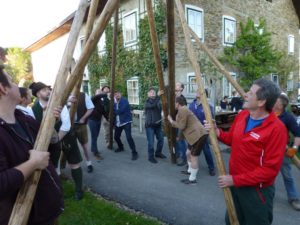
(256, 155)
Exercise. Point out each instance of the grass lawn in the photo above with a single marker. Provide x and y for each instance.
(95, 211)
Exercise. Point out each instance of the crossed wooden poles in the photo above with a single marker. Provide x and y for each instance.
(65, 84)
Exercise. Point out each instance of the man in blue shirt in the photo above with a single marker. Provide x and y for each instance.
(290, 122)
(123, 122)
(197, 108)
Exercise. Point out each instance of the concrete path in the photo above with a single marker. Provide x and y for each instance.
(156, 190)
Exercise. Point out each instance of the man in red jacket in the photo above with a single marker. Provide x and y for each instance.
(257, 139)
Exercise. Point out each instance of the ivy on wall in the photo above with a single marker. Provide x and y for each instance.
(131, 62)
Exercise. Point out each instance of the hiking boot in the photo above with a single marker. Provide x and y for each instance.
(160, 155)
(119, 150)
(134, 156)
(152, 160)
(295, 203)
(78, 195)
(212, 173)
(187, 181)
(90, 168)
(185, 172)
(98, 156)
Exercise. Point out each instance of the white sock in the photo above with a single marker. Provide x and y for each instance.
(88, 163)
(193, 174)
(189, 166)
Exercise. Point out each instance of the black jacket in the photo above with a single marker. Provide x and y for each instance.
(153, 112)
(48, 201)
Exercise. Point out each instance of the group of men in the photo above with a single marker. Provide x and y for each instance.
(258, 139)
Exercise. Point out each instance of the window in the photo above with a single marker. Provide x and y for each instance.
(85, 87)
(130, 28)
(227, 87)
(290, 82)
(103, 82)
(291, 44)
(275, 78)
(101, 45)
(133, 91)
(194, 17)
(192, 84)
(229, 30)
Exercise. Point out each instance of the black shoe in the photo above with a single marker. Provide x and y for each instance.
(187, 181)
(152, 160)
(78, 195)
(90, 168)
(134, 156)
(212, 173)
(160, 155)
(119, 150)
(185, 172)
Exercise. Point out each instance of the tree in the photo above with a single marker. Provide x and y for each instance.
(252, 55)
(19, 66)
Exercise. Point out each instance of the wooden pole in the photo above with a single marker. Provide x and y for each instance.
(218, 64)
(296, 161)
(171, 69)
(23, 204)
(113, 75)
(159, 71)
(90, 45)
(208, 117)
(88, 30)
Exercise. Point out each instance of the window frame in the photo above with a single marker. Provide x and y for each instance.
(102, 44)
(201, 11)
(232, 19)
(276, 81)
(229, 87)
(191, 82)
(133, 41)
(291, 44)
(129, 96)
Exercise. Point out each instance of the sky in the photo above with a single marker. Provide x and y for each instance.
(25, 21)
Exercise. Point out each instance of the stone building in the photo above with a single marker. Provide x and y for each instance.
(216, 22)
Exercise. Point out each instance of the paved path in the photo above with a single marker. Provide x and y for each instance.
(156, 190)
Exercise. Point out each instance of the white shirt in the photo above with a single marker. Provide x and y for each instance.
(26, 110)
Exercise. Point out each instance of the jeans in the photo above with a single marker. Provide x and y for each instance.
(95, 130)
(150, 132)
(117, 136)
(208, 156)
(288, 179)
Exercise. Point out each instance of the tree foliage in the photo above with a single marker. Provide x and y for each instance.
(19, 66)
(252, 55)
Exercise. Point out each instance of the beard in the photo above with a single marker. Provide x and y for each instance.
(45, 98)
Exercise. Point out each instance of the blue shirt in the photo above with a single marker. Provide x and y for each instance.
(197, 109)
(290, 122)
(252, 123)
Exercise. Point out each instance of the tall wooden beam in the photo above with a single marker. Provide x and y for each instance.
(218, 64)
(171, 67)
(23, 204)
(208, 117)
(88, 30)
(159, 71)
(98, 29)
(113, 75)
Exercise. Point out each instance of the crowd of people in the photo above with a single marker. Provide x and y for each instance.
(258, 139)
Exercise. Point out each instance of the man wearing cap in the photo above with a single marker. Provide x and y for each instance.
(291, 125)
(123, 122)
(70, 147)
(153, 120)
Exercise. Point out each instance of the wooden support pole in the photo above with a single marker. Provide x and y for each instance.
(208, 117)
(296, 161)
(218, 64)
(23, 204)
(88, 30)
(113, 75)
(90, 45)
(171, 68)
(159, 71)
